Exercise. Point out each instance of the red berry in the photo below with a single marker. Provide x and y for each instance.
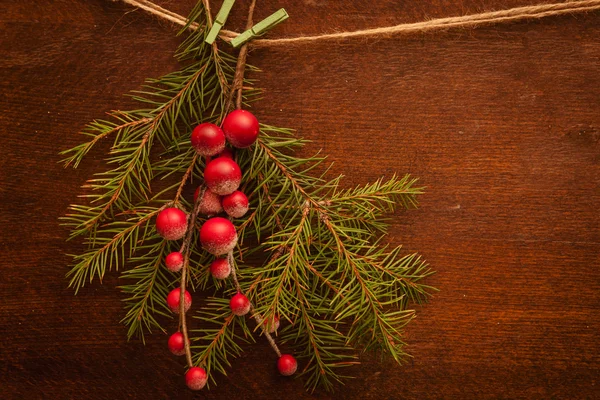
(222, 175)
(208, 139)
(174, 261)
(227, 153)
(235, 204)
(239, 304)
(171, 223)
(220, 268)
(218, 236)
(271, 324)
(211, 202)
(176, 345)
(173, 300)
(287, 365)
(196, 378)
(241, 128)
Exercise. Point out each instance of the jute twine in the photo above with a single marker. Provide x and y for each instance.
(466, 21)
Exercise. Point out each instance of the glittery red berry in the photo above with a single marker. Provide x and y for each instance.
(271, 324)
(176, 345)
(235, 204)
(239, 304)
(208, 139)
(173, 300)
(211, 202)
(171, 223)
(240, 128)
(287, 365)
(174, 261)
(196, 378)
(218, 236)
(220, 268)
(222, 175)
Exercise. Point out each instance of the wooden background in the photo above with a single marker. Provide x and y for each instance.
(501, 123)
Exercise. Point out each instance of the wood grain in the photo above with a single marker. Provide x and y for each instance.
(502, 125)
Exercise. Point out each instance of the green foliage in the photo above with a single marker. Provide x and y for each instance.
(325, 272)
(219, 337)
(147, 294)
(336, 285)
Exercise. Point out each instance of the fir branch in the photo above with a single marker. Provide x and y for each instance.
(98, 130)
(173, 97)
(186, 176)
(380, 195)
(326, 270)
(337, 226)
(255, 314)
(322, 348)
(113, 243)
(218, 340)
(187, 94)
(147, 295)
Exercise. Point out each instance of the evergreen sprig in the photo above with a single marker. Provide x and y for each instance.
(327, 273)
(311, 251)
(219, 337)
(146, 295)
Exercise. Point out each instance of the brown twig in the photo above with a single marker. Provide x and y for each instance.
(186, 250)
(215, 49)
(238, 79)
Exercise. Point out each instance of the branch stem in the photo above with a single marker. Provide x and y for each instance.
(238, 79)
(186, 250)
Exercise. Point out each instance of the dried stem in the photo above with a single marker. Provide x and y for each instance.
(185, 250)
(238, 80)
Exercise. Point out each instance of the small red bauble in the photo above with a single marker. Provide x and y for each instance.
(227, 153)
(240, 128)
(171, 223)
(218, 236)
(239, 304)
(220, 268)
(211, 202)
(173, 300)
(174, 261)
(196, 378)
(176, 345)
(208, 139)
(287, 365)
(235, 204)
(222, 175)
(271, 324)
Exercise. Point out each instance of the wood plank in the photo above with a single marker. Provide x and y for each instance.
(501, 124)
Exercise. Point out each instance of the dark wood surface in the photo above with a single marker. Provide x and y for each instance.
(502, 124)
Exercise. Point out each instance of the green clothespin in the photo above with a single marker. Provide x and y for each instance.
(220, 20)
(261, 28)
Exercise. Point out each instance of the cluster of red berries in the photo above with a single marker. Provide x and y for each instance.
(218, 236)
